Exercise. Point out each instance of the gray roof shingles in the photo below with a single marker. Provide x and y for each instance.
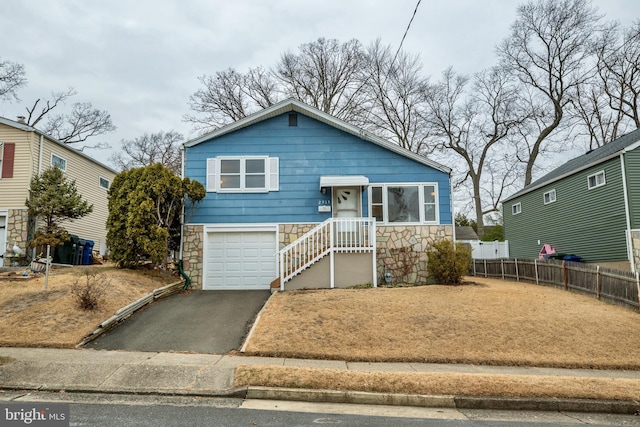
(581, 162)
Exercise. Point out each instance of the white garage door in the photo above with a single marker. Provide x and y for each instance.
(240, 260)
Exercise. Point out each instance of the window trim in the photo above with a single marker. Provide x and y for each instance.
(64, 169)
(549, 193)
(421, 201)
(516, 208)
(271, 174)
(595, 176)
(100, 182)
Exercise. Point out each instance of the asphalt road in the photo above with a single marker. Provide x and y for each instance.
(198, 321)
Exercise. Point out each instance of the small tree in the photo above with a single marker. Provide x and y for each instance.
(447, 263)
(144, 213)
(54, 200)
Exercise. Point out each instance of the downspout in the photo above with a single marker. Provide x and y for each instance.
(627, 215)
(453, 217)
(35, 221)
(187, 279)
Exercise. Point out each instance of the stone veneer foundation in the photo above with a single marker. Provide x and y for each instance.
(192, 253)
(395, 246)
(635, 248)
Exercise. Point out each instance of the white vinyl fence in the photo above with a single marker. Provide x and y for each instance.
(489, 250)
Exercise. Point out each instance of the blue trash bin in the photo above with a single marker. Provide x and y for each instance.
(87, 254)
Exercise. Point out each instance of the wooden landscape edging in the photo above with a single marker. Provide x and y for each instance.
(128, 310)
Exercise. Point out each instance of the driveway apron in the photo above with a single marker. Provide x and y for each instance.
(199, 321)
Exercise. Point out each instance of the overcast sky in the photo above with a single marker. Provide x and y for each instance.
(140, 59)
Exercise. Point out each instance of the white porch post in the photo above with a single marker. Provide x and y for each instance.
(373, 242)
(332, 262)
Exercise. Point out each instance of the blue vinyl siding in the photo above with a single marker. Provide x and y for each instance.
(306, 152)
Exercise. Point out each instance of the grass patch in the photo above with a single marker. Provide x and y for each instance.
(31, 316)
(4, 360)
(440, 384)
(495, 323)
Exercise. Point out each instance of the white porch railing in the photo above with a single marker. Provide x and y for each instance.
(335, 235)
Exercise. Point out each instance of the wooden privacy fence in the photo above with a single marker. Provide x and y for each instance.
(615, 286)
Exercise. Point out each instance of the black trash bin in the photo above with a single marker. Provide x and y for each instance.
(87, 255)
(77, 256)
(64, 254)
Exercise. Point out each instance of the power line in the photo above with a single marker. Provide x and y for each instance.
(405, 33)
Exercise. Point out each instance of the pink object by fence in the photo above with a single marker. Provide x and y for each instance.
(547, 249)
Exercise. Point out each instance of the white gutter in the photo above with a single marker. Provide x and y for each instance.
(626, 214)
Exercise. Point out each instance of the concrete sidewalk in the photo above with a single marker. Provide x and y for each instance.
(187, 374)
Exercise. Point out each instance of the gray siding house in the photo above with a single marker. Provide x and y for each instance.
(589, 206)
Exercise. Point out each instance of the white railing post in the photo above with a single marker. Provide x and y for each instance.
(372, 242)
(332, 266)
(535, 263)
(282, 269)
(517, 275)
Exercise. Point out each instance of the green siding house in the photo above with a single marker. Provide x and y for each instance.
(589, 206)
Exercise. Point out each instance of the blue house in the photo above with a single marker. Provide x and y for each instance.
(297, 198)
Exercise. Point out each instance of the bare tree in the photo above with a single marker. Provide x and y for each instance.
(613, 104)
(81, 123)
(396, 98)
(548, 51)
(229, 96)
(12, 78)
(325, 74)
(470, 124)
(148, 149)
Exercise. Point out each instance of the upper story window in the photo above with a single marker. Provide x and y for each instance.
(242, 174)
(104, 183)
(549, 196)
(58, 162)
(516, 208)
(404, 203)
(596, 180)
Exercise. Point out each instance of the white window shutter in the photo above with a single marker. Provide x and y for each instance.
(212, 175)
(274, 179)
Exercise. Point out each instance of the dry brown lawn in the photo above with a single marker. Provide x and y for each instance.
(454, 384)
(31, 316)
(491, 322)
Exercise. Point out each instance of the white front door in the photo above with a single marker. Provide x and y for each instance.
(347, 204)
(3, 237)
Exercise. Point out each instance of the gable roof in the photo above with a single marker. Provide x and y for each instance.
(27, 128)
(466, 232)
(608, 151)
(293, 105)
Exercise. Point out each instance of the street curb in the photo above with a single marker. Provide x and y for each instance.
(357, 397)
(238, 392)
(452, 402)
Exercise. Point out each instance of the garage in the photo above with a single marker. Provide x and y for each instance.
(241, 260)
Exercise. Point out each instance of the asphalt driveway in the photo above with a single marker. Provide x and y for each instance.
(199, 321)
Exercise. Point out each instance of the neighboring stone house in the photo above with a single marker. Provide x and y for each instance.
(26, 152)
(297, 198)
